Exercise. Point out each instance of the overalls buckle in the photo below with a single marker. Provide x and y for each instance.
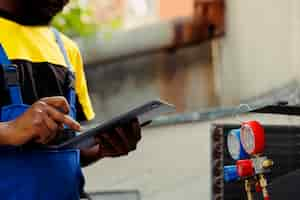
(10, 76)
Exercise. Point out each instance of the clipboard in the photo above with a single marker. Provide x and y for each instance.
(144, 113)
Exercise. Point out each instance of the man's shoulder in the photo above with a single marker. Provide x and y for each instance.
(70, 45)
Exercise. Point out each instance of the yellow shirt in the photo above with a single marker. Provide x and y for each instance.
(41, 65)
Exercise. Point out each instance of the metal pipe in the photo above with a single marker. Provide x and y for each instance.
(123, 44)
(207, 23)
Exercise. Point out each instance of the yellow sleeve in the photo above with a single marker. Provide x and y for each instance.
(80, 82)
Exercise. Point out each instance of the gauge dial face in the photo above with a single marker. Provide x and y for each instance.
(234, 146)
(247, 139)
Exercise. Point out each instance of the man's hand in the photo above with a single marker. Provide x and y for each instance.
(41, 122)
(114, 143)
(119, 141)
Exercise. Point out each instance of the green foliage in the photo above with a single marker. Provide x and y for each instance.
(76, 20)
(109, 27)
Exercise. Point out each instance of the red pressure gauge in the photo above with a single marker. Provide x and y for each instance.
(253, 137)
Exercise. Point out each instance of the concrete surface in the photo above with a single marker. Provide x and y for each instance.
(171, 163)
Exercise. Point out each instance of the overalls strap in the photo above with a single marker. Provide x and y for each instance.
(62, 48)
(71, 96)
(10, 78)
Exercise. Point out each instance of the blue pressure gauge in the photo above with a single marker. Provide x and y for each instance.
(235, 147)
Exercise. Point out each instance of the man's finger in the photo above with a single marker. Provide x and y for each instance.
(136, 130)
(123, 137)
(133, 130)
(60, 103)
(52, 126)
(62, 118)
(43, 133)
(112, 155)
(50, 123)
(107, 139)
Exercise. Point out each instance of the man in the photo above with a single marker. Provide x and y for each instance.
(44, 79)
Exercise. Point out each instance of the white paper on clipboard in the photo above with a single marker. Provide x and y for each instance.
(144, 113)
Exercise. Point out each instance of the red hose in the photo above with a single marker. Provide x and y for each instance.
(266, 198)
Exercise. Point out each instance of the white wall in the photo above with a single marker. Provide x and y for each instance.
(260, 49)
(140, 12)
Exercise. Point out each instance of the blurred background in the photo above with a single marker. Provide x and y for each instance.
(204, 56)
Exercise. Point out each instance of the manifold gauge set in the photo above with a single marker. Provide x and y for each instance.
(246, 147)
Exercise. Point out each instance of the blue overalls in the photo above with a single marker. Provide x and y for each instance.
(36, 174)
